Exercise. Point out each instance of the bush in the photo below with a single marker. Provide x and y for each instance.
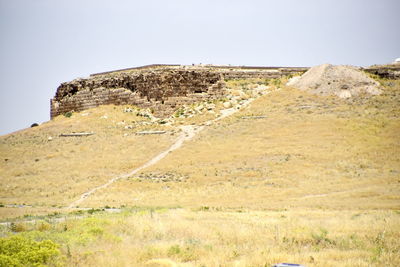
(174, 250)
(21, 251)
(321, 238)
(276, 82)
(68, 114)
(17, 227)
(179, 112)
(43, 226)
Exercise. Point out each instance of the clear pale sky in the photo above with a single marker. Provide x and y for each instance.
(46, 42)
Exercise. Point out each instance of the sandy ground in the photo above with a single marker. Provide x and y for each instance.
(342, 81)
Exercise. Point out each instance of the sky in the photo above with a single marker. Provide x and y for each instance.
(46, 42)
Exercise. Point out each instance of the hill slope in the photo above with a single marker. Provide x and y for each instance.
(289, 154)
(307, 152)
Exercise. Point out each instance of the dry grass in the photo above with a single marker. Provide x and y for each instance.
(179, 237)
(309, 152)
(7, 213)
(66, 167)
(316, 182)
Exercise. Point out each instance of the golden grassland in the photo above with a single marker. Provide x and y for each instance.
(43, 172)
(309, 151)
(316, 181)
(218, 237)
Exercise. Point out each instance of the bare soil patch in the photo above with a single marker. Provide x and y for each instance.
(342, 81)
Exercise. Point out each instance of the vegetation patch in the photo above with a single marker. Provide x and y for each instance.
(22, 251)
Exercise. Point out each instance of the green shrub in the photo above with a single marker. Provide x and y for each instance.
(184, 253)
(21, 251)
(8, 261)
(321, 238)
(91, 211)
(179, 112)
(68, 114)
(276, 82)
(174, 250)
(96, 231)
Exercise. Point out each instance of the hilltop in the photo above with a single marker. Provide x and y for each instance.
(264, 173)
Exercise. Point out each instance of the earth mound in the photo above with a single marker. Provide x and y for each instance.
(342, 81)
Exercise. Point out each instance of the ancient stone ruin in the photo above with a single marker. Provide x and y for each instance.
(162, 88)
(391, 71)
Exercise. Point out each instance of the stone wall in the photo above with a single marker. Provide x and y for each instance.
(262, 73)
(160, 90)
(163, 88)
(385, 71)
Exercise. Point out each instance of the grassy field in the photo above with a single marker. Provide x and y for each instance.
(219, 237)
(309, 151)
(66, 167)
(311, 180)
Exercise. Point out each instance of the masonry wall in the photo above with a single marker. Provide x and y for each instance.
(161, 88)
(388, 71)
(259, 73)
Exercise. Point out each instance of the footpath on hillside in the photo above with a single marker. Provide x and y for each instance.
(326, 79)
(187, 133)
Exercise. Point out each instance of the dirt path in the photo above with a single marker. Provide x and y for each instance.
(330, 194)
(188, 132)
